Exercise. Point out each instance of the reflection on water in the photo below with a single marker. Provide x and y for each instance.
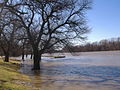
(85, 72)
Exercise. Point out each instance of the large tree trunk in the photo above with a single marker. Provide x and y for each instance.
(6, 57)
(37, 59)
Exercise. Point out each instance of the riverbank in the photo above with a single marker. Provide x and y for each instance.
(86, 71)
(11, 79)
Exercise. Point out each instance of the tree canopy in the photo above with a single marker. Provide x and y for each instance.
(49, 23)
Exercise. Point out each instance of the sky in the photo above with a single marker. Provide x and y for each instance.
(104, 20)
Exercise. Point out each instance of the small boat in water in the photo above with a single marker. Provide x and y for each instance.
(59, 56)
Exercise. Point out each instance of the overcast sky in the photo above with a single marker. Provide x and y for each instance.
(104, 19)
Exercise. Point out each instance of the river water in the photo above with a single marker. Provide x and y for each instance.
(83, 71)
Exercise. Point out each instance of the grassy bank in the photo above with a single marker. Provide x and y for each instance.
(10, 79)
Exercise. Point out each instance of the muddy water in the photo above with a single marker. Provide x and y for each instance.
(86, 71)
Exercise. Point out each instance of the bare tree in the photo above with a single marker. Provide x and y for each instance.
(8, 32)
(50, 23)
(103, 45)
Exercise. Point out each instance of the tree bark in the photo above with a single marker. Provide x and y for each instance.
(26, 55)
(23, 55)
(6, 57)
(31, 57)
(23, 52)
(37, 59)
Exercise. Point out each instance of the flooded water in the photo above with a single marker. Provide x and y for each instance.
(86, 71)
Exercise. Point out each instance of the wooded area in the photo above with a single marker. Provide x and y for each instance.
(103, 45)
(41, 25)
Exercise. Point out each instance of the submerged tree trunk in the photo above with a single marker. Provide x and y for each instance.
(31, 57)
(23, 52)
(26, 55)
(23, 55)
(37, 59)
(6, 57)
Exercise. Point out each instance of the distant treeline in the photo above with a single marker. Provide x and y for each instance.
(103, 45)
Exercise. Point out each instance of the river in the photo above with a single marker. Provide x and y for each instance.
(83, 71)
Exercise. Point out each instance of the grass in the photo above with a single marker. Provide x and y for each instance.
(10, 79)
